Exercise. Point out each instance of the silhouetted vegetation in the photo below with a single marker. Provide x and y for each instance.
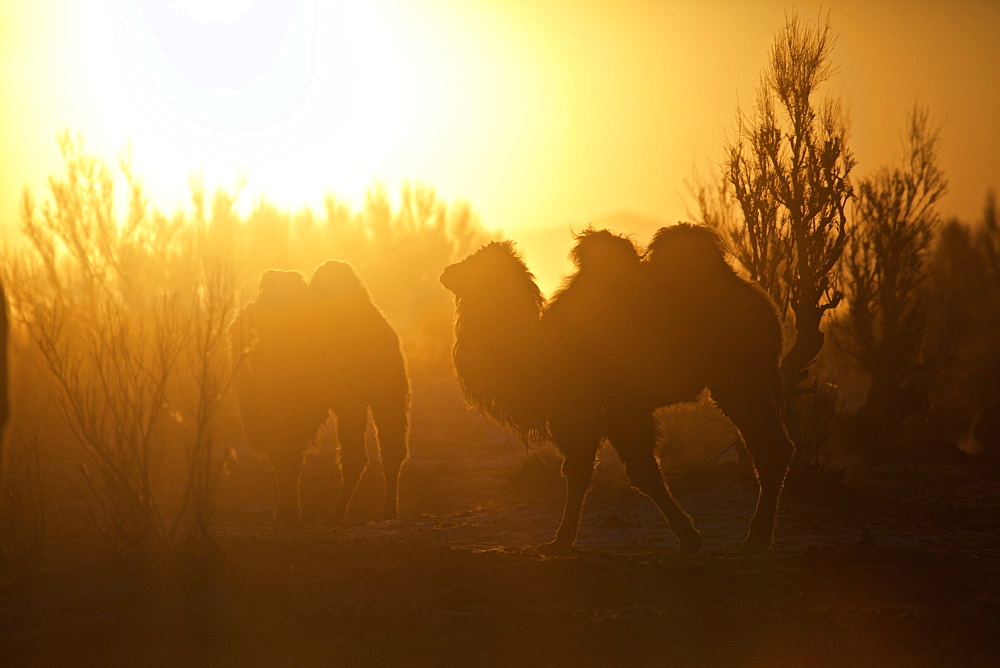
(885, 270)
(963, 278)
(119, 318)
(788, 167)
(782, 200)
(135, 366)
(903, 287)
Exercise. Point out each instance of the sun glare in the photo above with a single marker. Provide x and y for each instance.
(212, 11)
(228, 66)
(305, 97)
(301, 97)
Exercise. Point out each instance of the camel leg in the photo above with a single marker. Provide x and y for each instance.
(351, 426)
(578, 445)
(287, 465)
(391, 426)
(634, 438)
(765, 438)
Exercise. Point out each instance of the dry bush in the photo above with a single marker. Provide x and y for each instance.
(789, 167)
(780, 202)
(119, 315)
(92, 295)
(962, 275)
(886, 328)
(210, 372)
(988, 243)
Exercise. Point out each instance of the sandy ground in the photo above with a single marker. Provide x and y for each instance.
(456, 580)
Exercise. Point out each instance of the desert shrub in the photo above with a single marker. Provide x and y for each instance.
(887, 325)
(988, 245)
(119, 317)
(961, 277)
(780, 201)
(93, 297)
(789, 168)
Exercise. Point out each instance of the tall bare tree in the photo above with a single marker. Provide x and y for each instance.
(781, 206)
(788, 167)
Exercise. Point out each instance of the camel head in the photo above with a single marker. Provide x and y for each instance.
(336, 282)
(498, 309)
(279, 288)
(686, 250)
(494, 271)
(281, 298)
(279, 293)
(604, 253)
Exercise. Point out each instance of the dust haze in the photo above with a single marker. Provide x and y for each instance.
(377, 426)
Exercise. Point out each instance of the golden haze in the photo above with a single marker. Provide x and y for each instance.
(545, 116)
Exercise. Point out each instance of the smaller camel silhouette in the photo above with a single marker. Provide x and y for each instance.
(625, 335)
(305, 349)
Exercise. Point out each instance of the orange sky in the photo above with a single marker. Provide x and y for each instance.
(544, 115)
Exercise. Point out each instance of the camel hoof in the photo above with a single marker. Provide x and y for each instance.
(556, 548)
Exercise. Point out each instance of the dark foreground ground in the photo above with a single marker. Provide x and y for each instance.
(456, 582)
(465, 588)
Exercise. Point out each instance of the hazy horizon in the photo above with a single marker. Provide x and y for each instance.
(545, 117)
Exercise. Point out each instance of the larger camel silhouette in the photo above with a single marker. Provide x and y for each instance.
(625, 335)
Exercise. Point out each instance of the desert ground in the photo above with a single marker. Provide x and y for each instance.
(871, 565)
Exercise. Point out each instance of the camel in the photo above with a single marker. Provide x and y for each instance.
(625, 335)
(305, 349)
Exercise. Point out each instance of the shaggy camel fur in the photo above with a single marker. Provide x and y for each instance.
(306, 349)
(623, 337)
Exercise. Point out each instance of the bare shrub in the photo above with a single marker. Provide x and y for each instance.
(781, 201)
(119, 311)
(93, 296)
(988, 241)
(789, 168)
(885, 268)
(694, 435)
(211, 370)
